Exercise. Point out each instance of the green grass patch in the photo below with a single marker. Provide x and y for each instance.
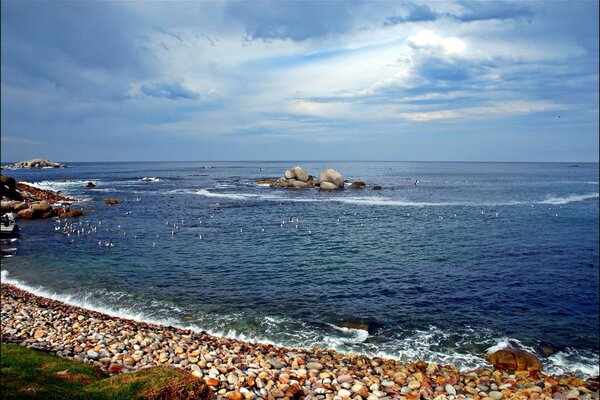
(34, 374)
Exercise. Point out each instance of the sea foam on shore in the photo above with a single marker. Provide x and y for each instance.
(236, 369)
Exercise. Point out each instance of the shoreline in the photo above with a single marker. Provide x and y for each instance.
(235, 369)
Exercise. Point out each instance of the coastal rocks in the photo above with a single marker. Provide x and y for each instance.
(251, 371)
(8, 188)
(377, 187)
(331, 176)
(111, 201)
(514, 358)
(67, 212)
(90, 185)
(357, 185)
(35, 163)
(294, 177)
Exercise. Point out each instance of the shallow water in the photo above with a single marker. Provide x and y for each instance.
(473, 255)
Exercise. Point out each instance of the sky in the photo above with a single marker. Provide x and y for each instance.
(299, 80)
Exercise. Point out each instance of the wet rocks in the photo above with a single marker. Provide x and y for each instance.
(237, 370)
(111, 201)
(90, 185)
(357, 185)
(514, 358)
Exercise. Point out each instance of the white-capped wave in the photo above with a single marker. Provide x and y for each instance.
(150, 179)
(429, 345)
(573, 361)
(569, 199)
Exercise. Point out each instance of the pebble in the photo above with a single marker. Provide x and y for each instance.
(244, 371)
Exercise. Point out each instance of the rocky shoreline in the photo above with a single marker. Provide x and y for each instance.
(238, 370)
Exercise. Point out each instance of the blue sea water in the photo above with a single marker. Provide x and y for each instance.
(472, 256)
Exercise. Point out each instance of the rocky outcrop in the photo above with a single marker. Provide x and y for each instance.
(112, 201)
(377, 187)
(357, 185)
(294, 177)
(36, 163)
(30, 202)
(333, 177)
(90, 185)
(514, 358)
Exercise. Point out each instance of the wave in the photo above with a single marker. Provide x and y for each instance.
(569, 199)
(386, 201)
(428, 344)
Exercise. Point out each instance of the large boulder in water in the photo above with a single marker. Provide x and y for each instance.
(332, 176)
(300, 174)
(328, 186)
(513, 358)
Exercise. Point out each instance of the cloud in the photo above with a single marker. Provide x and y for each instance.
(510, 108)
(413, 13)
(162, 89)
(295, 20)
(489, 10)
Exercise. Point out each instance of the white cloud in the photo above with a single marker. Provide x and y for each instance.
(428, 39)
(502, 109)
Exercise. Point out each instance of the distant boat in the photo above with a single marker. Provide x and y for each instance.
(8, 224)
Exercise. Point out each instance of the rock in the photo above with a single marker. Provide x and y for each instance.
(90, 185)
(344, 393)
(26, 213)
(7, 206)
(266, 181)
(277, 364)
(38, 163)
(357, 185)
(112, 201)
(450, 389)
(234, 395)
(288, 174)
(514, 358)
(38, 333)
(314, 365)
(91, 353)
(41, 207)
(68, 212)
(331, 175)
(414, 385)
(212, 382)
(328, 186)
(299, 184)
(495, 395)
(377, 187)
(299, 174)
(345, 379)
(280, 183)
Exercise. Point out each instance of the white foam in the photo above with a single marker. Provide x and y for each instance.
(150, 179)
(573, 362)
(505, 343)
(569, 199)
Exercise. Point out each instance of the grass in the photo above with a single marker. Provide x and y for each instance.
(34, 374)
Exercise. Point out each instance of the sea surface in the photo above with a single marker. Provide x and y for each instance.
(472, 256)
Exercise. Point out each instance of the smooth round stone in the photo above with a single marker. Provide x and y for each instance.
(482, 388)
(314, 365)
(389, 384)
(505, 386)
(450, 389)
(346, 385)
(345, 379)
(344, 393)
(232, 378)
(413, 385)
(197, 373)
(572, 394)
(405, 390)
(91, 353)
(495, 395)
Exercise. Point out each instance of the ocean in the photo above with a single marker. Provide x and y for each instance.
(471, 256)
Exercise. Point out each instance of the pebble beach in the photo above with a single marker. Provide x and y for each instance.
(238, 370)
